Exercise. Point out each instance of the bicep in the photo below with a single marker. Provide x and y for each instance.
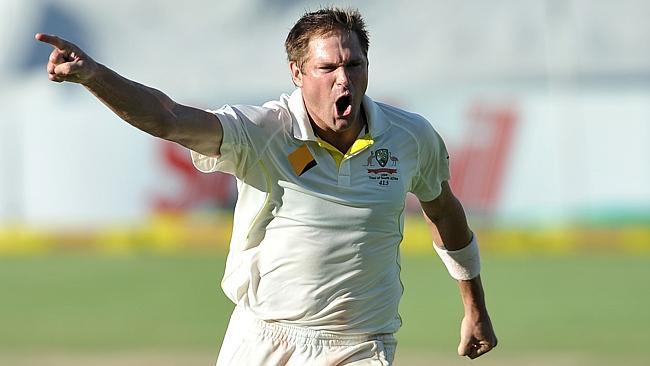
(433, 210)
(446, 218)
(196, 129)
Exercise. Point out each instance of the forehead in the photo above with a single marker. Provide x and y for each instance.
(335, 46)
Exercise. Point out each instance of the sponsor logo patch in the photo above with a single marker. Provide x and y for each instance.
(301, 160)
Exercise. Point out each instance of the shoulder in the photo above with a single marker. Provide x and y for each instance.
(413, 124)
(272, 114)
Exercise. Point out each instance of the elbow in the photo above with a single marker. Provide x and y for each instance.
(163, 130)
(163, 126)
(164, 123)
(155, 124)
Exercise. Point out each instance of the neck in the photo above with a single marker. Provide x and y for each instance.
(342, 140)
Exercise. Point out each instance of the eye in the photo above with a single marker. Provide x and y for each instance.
(354, 64)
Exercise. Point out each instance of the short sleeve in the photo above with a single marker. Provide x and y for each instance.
(433, 165)
(245, 134)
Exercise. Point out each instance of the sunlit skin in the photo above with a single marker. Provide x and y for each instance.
(333, 79)
(335, 67)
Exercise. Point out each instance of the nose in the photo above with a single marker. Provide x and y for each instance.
(343, 76)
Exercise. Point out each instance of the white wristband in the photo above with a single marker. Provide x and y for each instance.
(462, 264)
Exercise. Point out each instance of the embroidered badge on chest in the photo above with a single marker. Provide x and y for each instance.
(380, 173)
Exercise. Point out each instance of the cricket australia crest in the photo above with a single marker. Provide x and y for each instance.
(382, 175)
(381, 155)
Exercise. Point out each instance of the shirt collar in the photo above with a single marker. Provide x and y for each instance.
(302, 129)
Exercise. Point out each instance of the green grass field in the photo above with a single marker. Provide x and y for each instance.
(169, 310)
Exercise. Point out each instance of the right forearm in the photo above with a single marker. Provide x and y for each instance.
(143, 107)
(146, 108)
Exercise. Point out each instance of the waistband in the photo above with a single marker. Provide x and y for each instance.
(304, 336)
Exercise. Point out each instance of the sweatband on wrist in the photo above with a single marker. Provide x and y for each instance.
(462, 264)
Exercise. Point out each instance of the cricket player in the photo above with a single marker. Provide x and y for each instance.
(322, 176)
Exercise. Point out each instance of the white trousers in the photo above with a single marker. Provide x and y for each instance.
(253, 342)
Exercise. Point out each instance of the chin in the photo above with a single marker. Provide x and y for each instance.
(342, 124)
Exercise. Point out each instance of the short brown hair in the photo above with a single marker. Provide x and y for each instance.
(321, 22)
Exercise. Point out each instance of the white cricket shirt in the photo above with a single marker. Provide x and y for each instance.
(316, 243)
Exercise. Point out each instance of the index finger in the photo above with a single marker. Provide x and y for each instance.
(52, 40)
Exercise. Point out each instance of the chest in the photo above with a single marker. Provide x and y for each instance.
(380, 173)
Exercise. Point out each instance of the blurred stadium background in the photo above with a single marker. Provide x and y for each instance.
(112, 246)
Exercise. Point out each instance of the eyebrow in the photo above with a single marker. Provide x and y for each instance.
(330, 64)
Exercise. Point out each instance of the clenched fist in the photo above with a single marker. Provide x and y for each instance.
(67, 62)
(476, 336)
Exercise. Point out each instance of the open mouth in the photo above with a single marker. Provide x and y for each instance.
(344, 105)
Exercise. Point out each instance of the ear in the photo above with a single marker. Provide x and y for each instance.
(296, 74)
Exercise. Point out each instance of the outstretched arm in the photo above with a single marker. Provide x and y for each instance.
(448, 223)
(146, 108)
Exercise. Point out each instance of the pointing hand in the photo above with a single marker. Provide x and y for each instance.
(67, 62)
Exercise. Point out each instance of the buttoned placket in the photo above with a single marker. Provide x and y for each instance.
(344, 172)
